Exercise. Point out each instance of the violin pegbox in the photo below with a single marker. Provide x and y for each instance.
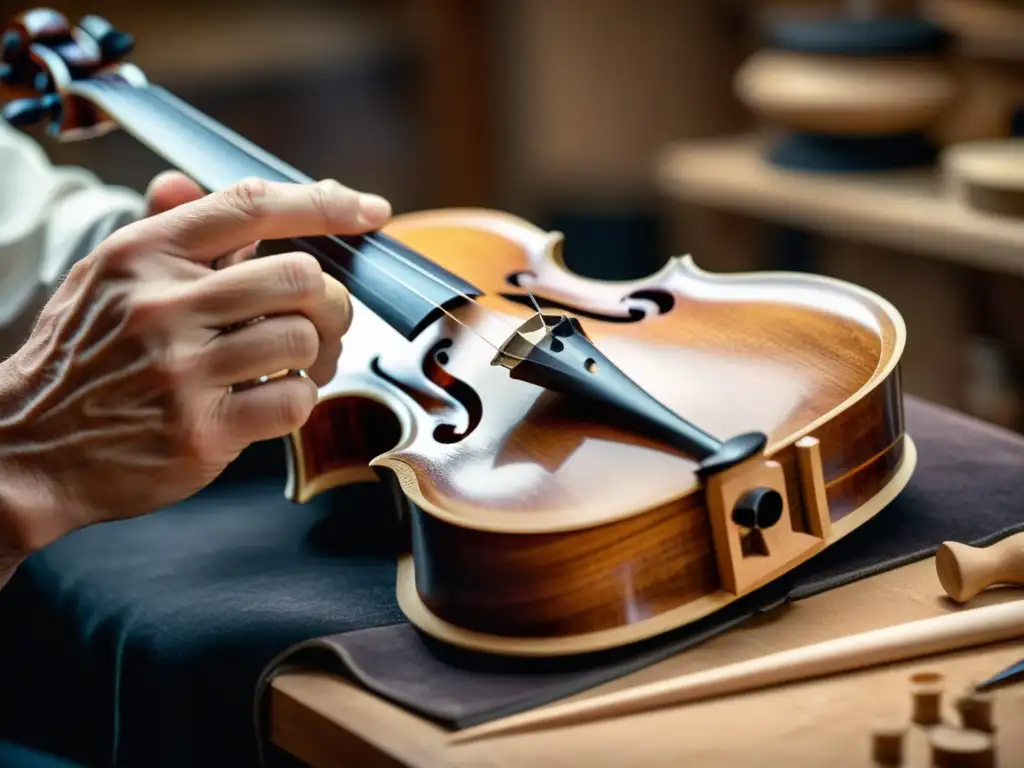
(42, 56)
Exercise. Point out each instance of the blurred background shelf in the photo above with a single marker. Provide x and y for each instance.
(909, 210)
(988, 28)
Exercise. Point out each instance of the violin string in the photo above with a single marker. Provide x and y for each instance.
(227, 136)
(470, 299)
(441, 282)
(191, 117)
(408, 262)
(536, 306)
(353, 277)
(395, 254)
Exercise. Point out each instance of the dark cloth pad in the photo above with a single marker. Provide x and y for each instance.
(17, 756)
(144, 640)
(139, 643)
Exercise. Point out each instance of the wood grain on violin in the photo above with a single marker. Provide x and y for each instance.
(543, 522)
(580, 464)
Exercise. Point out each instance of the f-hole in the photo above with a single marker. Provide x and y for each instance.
(442, 400)
(637, 305)
(434, 369)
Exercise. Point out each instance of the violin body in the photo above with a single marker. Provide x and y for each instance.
(536, 528)
(540, 523)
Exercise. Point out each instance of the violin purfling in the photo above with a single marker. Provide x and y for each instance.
(578, 464)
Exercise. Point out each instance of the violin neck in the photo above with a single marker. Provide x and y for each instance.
(407, 290)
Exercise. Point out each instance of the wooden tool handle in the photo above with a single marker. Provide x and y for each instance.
(953, 631)
(964, 571)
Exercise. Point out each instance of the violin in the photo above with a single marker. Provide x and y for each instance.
(578, 464)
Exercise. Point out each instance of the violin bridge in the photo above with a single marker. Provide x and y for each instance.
(522, 342)
(758, 533)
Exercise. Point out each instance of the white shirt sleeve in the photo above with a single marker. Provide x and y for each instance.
(50, 217)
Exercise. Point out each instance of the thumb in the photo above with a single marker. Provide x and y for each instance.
(169, 190)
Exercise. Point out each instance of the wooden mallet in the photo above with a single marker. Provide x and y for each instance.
(964, 571)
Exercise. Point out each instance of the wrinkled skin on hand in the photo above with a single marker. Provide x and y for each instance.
(122, 402)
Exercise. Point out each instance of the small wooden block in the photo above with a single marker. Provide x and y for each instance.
(783, 541)
(812, 487)
(987, 175)
(926, 689)
(956, 748)
(976, 711)
(887, 742)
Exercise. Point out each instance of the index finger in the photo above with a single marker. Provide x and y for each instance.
(257, 209)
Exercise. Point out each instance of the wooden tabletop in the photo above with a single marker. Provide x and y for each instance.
(908, 210)
(327, 721)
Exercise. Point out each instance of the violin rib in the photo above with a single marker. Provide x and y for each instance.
(538, 522)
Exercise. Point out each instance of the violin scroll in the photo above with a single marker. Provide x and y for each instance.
(41, 57)
(42, 25)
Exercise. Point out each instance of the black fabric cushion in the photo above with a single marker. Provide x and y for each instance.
(18, 756)
(141, 642)
(857, 37)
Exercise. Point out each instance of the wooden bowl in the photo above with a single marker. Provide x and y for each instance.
(845, 95)
(987, 175)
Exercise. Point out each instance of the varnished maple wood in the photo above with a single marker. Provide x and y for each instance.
(544, 522)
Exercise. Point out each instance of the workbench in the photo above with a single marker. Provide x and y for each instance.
(329, 722)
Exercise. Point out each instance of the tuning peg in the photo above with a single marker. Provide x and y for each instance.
(10, 44)
(32, 111)
(114, 45)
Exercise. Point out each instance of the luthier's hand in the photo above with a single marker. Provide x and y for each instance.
(122, 400)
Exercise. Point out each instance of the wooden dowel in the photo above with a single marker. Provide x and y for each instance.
(962, 629)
